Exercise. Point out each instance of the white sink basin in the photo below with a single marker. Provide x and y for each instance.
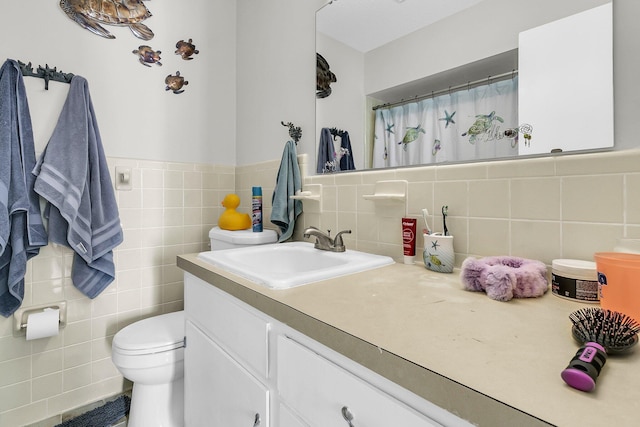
(286, 265)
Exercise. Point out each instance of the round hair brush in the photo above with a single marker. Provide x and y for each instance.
(599, 331)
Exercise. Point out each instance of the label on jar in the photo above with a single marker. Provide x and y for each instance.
(577, 289)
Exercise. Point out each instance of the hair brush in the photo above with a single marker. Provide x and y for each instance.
(599, 331)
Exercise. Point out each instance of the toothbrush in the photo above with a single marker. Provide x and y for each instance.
(445, 210)
(425, 214)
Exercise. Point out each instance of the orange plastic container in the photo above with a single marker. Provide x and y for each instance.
(619, 282)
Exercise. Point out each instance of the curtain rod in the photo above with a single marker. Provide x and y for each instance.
(468, 85)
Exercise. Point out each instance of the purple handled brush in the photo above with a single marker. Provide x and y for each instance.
(600, 332)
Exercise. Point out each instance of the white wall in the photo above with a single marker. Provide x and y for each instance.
(345, 107)
(489, 28)
(137, 117)
(276, 76)
(239, 92)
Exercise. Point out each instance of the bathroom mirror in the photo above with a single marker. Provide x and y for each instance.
(478, 40)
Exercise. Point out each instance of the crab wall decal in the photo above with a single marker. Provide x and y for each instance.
(89, 14)
(146, 55)
(186, 49)
(175, 83)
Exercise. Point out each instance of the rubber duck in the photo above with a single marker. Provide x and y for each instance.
(230, 218)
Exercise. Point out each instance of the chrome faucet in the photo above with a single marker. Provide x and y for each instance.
(324, 241)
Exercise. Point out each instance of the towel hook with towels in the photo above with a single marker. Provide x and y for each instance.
(336, 132)
(45, 73)
(294, 132)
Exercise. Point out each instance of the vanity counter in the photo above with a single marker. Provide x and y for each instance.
(493, 363)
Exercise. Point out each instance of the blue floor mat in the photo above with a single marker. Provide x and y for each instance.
(103, 416)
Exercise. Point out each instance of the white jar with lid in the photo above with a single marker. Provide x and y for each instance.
(575, 279)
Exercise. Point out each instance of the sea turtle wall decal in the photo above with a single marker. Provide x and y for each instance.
(146, 55)
(175, 83)
(324, 77)
(186, 49)
(89, 14)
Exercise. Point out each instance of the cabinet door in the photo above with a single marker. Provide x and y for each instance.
(218, 391)
(326, 395)
(287, 419)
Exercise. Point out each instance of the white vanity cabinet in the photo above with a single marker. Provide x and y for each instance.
(239, 362)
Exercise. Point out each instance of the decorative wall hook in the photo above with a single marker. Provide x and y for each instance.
(45, 73)
(336, 132)
(294, 132)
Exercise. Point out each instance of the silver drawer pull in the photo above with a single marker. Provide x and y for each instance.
(347, 415)
(256, 423)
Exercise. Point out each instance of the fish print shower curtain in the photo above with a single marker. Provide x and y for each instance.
(480, 122)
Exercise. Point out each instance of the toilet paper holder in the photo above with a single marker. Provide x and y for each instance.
(22, 314)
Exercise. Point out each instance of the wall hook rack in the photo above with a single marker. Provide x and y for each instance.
(336, 132)
(45, 73)
(294, 132)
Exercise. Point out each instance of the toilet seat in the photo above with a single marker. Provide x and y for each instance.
(153, 335)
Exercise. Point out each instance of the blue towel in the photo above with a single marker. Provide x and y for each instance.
(73, 177)
(326, 152)
(346, 161)
(285, 210)
(21, 230)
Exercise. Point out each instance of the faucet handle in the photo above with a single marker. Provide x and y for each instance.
(337, 242)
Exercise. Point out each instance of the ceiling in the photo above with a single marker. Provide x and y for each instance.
(367, 24)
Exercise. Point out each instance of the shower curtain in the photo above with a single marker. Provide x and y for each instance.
(479, 122)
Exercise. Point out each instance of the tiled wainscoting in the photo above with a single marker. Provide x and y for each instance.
(168, 212)
(544, 208)
(541, 208)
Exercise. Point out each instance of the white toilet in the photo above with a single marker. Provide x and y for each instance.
(150, 352)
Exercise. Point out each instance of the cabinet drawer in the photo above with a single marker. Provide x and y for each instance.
(228, 322)
(318, 390)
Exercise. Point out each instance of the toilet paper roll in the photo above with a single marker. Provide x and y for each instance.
(43, 324)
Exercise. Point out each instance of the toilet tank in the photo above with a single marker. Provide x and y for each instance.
(227, 239)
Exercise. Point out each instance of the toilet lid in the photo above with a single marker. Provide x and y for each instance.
(152, 335)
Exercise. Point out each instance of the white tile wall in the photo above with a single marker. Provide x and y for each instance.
(544, 208)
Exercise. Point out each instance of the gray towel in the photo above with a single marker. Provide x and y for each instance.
(21, 230)
(285, 210)
(326, 153)
(346, 161)
(73, 177)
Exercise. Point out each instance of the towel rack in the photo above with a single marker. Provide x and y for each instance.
(45, 73)
(294, 132)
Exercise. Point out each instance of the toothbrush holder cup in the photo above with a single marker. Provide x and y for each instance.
(438, 253)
